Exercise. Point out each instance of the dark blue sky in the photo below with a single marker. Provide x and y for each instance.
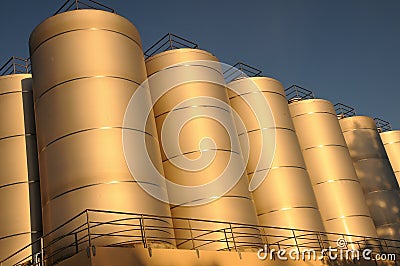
(344, 50)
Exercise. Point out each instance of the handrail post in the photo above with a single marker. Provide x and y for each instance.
(41, 251)
(233, 237)
(88, 228)
(320, 241)
(76, 243)
(14, 66)
(226, 239)
(143, 231)
(170, 41)
(191, 233)
(295, 240)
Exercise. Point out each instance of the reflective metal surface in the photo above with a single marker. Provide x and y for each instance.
(200, 104)
(336, 186)
(20, 215)
(285, 198)
(391, 142)
(87, 64)
(376, 176)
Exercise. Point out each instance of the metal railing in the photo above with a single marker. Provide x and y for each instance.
(297, 93)
(382, 125)
(343, 110)
(169, 42)
(16, 65)
(78, 4)
(241, 70)
(97, 228)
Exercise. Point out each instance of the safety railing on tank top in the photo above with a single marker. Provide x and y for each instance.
(16, 65)
(93, 229)
(70, 5)
(296, 93)
(383, 125)
(343, 110)
(240, 70)
(169, 41)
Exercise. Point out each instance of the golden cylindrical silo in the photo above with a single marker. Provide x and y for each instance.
(87, 64)
(338, 191)
(376, 176)
(192, 111)
(20, 216)
(391, 142)
(285, 198)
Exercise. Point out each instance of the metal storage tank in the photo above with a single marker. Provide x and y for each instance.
(286, 197)
(198, 99)
(339, 194)
(391, 142)
(376, 176)
(87, 64)
(20, 216)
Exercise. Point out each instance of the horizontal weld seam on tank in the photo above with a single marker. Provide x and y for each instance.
(337, 180)
(259, 129)
(254, 92)
(219, 197)
(79, 78)
(189, 152)
(99, 184)
(192, 106)
(193, 201)
(19, 183)
(393, 142)
(311, 113)
(19, 135)
(347, 216)
(83, 29)
(325, 145)
(371, 158)
(18, 234)
(289, 208)
(382, 190)
(355, 129)
(235, 196)
(12, 92)
(92, 129)
(182, 64)
(278, 167)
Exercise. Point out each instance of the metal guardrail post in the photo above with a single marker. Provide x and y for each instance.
(76, 243)
(191, 234)
(320, 241)
(41, 251)
(233, 237)
(143, 231)
(14, 65)
(88, 228)
(295, 240)
(226, 239)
